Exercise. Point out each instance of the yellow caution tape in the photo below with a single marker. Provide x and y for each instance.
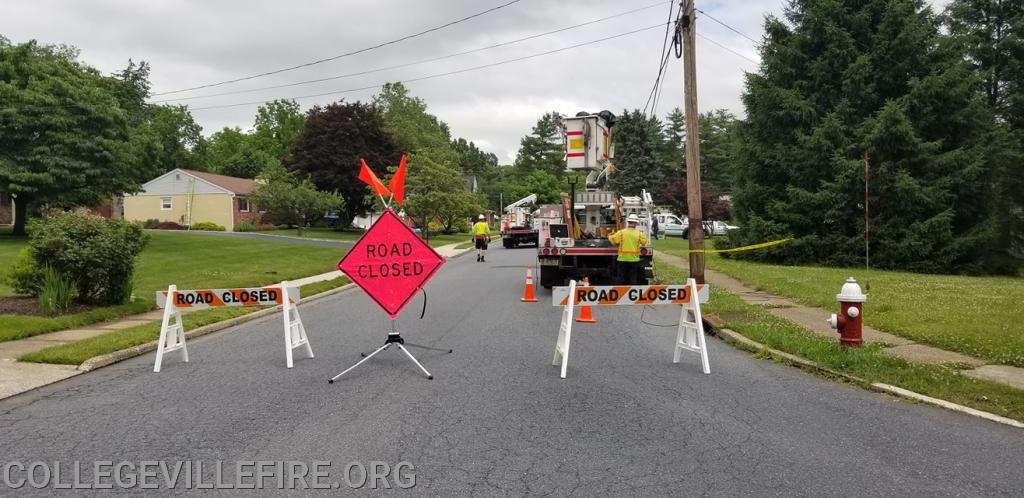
(744, 248)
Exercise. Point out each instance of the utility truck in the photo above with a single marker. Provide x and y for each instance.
(516, 227)
(573, 237)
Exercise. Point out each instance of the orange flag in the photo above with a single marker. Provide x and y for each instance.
(367, 176)
(397, 184)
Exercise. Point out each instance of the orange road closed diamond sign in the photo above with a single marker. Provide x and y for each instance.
(390, 263)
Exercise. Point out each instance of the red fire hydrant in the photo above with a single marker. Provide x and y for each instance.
(849, 321)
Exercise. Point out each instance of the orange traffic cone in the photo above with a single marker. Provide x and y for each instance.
(585, 315)
(528, 296)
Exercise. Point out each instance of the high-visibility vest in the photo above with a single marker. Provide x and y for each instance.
(629, 241)
(480, 229)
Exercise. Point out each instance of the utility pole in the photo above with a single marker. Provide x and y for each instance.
(696, 230)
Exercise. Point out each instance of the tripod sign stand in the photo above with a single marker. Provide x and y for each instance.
(394, 338)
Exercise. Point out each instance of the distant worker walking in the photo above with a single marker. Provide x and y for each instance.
(629, 240)
(482, 235)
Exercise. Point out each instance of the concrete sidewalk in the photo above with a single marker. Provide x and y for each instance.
(17, 377)
(813, 319)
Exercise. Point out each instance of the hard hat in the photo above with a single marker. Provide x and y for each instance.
(480, 217)
(632, 219)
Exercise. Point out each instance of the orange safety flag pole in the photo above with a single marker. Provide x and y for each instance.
(367, 176)
(397, 184)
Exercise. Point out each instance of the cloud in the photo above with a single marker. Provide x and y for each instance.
(192, 42)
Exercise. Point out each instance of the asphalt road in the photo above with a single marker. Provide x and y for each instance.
(497, 420)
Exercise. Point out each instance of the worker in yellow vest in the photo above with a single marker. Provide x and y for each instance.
(481, 235)
(629, 240)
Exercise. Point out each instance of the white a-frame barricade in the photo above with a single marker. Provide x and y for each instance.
(565, 332)
(689, 335)
(172, 335)
(294, 330)
(173, 301)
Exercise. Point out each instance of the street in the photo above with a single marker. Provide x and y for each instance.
(497, 420)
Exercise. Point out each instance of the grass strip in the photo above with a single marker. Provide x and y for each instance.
(75, 353)
(192, 261)
(868, 363)
(976, 316)
(22, 326)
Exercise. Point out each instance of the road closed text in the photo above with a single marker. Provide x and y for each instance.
(627, 295)
(373, 267)
(633, 294)
(228, 297)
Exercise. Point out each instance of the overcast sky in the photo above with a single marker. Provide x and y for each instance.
(195, 42)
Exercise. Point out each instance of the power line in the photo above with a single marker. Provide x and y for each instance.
(432, 76)
(663, 57)
(398, 66)
(734, 30)
(723, 47)
(347, 54)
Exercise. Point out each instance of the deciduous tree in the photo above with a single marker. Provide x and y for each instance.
(63, 130)
(330, 145)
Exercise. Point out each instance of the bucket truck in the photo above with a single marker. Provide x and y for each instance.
(515, 223)
(573, 238)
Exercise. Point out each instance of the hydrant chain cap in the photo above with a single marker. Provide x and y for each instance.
(851, 292)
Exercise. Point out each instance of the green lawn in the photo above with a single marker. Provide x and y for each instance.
(192, 261)
(9, 248)
(868, 363)
(213, 261)
(978, 316)
(318, 233)
(75, 353)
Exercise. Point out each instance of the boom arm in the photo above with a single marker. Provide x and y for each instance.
(530, 199)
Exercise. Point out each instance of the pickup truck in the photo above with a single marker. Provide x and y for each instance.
(679, 226)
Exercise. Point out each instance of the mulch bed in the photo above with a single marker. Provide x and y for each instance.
(17, 305)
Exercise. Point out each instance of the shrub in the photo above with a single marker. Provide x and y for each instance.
(150, 223)
(169, 225)
(24, 276)
(246, 226)
(56, 293)
(97, 254)
(208, 225)
(461, 225)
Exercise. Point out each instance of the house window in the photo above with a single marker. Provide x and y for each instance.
(243, 205)
(165, 203)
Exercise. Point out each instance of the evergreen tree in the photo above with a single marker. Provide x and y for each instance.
(637, 140)
(841, 78)
(673, 148)
(543, 148)
(717, 149)
(991, 33)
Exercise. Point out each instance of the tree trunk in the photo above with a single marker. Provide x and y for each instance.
(20, 214)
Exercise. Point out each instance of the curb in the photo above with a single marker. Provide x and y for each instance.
(141, 349)
(743, 342)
